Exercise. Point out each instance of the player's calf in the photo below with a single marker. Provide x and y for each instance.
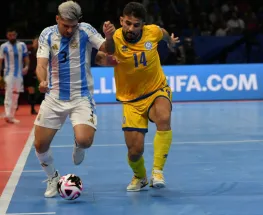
(78, 154)
(82, 141)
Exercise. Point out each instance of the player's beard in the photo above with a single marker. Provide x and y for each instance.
(12, 41)
(130, 36)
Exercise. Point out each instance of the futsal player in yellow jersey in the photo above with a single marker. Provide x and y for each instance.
(142, 88)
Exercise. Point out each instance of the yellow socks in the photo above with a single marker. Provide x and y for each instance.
(138, 167)
(161, 144)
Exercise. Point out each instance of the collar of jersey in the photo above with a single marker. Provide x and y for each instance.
(57, 30)
(12, 43)
(60, 36)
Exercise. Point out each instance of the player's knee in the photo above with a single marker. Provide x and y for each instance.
(41, 146)
(134, 156)
(136, 152)
(163, 121)
(43, 138)
(84, 141)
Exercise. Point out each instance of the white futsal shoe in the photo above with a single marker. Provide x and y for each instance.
(157, 179)
(52, 182)
(11, 120)
(78, 154)
(137, 184)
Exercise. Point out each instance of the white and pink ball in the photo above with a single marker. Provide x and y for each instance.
(70, 187)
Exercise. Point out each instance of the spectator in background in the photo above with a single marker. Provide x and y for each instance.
(250, 19)
(31, 78)
(222, 30)
(185, 53)
(260, 18)
(229, 6)
(215, 16)
(154, 14)
(235, 24)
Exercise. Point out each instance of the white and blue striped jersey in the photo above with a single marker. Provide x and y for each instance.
(69, 75)
(13, 55)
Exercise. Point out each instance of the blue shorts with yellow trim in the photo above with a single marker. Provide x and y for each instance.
(135, 114)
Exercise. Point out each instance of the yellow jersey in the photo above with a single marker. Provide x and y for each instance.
(139, 72)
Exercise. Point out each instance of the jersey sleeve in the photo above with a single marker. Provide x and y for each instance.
(157, 32)
(94, 37)
(1, 52)
(24, 50)
(44, 43)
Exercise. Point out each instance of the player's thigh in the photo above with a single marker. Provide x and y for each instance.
(160, 106)
(135, 125)
(52, 114)
(8, 79)
(9, 83)
(18, 85)
(84, 121)
(135, 117)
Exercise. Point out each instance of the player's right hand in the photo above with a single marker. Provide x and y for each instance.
(43, 87)
(108, 29)
(173, 42)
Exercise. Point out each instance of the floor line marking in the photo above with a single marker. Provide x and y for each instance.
(183, 142)
(10, 187)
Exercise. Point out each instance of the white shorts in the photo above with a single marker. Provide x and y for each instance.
(53, 112)
(14, 84)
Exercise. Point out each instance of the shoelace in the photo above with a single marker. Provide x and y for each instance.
(49, 179)
(158, 174)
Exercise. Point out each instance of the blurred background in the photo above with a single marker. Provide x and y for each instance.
(211, 31)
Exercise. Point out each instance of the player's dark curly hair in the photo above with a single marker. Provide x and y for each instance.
(10, 29)
(135, 9)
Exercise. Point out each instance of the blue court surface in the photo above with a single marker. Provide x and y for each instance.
(215, 167)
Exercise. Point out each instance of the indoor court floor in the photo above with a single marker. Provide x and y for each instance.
(215, 165)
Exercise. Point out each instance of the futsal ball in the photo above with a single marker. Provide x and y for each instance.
(70, 187)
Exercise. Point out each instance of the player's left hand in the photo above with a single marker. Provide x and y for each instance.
(112, 60)
(25, 70)
(173, 42)
(108, 29)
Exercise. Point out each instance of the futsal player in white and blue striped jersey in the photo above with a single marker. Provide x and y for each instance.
(16, 64)
(63, 70)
